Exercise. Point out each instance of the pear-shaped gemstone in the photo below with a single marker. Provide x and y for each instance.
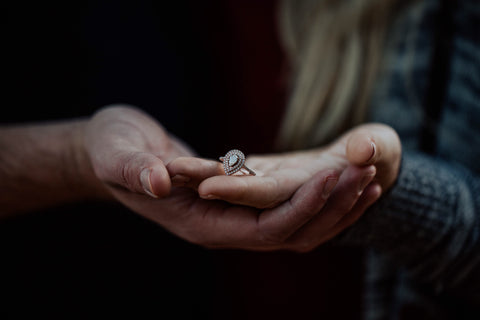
(232, 160)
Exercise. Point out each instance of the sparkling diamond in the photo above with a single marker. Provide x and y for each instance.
(232, 160)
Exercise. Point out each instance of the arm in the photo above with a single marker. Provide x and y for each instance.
(429, 222)
(42, 165)
(119, 148)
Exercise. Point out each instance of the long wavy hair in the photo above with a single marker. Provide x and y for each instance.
(335, 48)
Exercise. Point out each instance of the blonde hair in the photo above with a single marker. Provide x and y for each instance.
(335, 48)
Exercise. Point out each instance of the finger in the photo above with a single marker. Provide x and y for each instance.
(190, 171)
(379, 145)
(350, 186)
(139, 172)
(276, 225)
(370, 195)
(254, 191)
(371, 144)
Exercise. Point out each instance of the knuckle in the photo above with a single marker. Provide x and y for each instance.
(124, 176)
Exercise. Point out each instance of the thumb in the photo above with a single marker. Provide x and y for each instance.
(140, 172)
(379, 145)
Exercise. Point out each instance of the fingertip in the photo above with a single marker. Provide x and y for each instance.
(371, 193)
(220, 187)
(373, 153)
(244, 190)
(209, 196)
(361, 149)
(329, 184)
(322, 183)
(206, 189)
(174, 167)
(376, 190)
(159, 182)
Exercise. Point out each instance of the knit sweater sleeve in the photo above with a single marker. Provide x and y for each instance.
(428, 222)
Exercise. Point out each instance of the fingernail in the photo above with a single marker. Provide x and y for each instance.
(374, 151)
(146, 183)
(366, 180)
(330, 183)
(179, 180)
(209, 197)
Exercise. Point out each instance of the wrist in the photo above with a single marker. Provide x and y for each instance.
(45, 165)
(81, 174)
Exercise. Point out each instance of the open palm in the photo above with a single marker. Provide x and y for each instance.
(284, 182)
(280, 175)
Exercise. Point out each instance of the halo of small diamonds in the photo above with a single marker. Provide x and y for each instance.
(233, 161)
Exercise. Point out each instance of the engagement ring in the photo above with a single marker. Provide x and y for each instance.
(234, 161)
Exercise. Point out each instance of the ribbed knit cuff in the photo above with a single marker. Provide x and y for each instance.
(426, 222)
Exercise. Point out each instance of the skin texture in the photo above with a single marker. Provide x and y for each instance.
(296, 202)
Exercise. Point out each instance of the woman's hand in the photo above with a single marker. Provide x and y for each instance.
(364, 161)
(279, 176)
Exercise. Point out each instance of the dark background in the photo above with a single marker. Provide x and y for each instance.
(193, 65)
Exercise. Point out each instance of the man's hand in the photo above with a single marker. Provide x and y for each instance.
(128, 150)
